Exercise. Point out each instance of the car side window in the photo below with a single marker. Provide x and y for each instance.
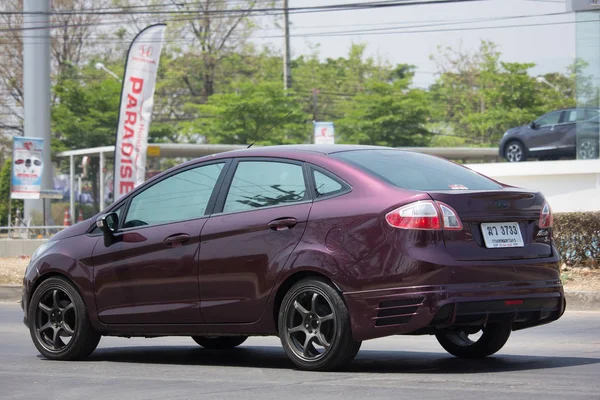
(180, 197)
(326, 185)
(258, 184)
(549, 119)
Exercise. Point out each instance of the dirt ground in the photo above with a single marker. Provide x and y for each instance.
(12, 270)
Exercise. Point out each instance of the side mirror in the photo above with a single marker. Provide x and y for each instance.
(109, 224)
(533, 125)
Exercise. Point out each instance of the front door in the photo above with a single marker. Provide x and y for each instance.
(264, 215)
(546, 133)
(150, 274)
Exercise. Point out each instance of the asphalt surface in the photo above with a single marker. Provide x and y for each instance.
(556, 361)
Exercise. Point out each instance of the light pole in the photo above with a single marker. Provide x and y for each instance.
(541, 79)
(102, 67)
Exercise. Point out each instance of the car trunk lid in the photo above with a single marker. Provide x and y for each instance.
(492, 207)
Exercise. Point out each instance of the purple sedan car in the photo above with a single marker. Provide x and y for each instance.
(324, 246)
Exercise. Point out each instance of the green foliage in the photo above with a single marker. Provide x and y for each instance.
(481, 97)
(387, 114)
(246, 115)
(87, 113)
(5, 177)
(577, 236)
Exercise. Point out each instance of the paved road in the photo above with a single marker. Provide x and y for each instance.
(557, 361)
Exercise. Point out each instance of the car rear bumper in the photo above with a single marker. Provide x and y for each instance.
(425, 309)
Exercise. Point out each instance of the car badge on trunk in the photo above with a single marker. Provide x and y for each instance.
(501, 204)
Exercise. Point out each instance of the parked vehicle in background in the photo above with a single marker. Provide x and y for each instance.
(554, 135)
(324, 246)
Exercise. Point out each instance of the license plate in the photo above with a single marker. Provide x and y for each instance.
(502, 234)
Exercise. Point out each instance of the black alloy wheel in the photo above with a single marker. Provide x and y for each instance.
(474, 343)
(58, 322)
(314, 327)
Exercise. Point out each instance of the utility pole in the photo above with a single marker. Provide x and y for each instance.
(287, 72)
(315, 94)
(36, 85)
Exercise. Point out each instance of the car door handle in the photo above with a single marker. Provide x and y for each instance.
(176, 240)
(282, 224)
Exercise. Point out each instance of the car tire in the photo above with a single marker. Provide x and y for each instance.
(314, 327)
(57, 311)
(219, 342)
(587, 149)
(458, 343)
(514, 151)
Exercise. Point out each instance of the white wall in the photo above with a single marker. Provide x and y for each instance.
(572, 185)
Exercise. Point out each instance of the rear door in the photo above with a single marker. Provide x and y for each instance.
(259, 219)
(495, 213)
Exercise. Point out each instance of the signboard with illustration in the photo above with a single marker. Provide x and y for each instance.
(324, 133)
(27, 168)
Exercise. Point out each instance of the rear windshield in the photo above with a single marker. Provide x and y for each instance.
(416, 171)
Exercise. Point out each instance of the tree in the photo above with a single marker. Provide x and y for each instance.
(5, 178)
(69, 40)
(480, 97)
(387, 114)
(249, 114)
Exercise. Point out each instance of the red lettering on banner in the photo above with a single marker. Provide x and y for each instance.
(126, 187)
(131, 101)
(127, 149)
(131, 117)
(128, 133)
(137, 85)
(126, 171)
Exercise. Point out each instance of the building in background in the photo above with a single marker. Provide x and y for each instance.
(588, 76)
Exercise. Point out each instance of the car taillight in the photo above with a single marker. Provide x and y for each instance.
(451, 220)
(424, 215)
(546, 218)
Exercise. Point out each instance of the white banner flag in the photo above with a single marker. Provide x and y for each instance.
(137, 99)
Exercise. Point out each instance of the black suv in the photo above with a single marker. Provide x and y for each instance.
(552, 136)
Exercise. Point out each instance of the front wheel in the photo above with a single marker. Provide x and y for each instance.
(464, 343)
(59, 323)
(219, 342)
(515, 152)
(314, 327)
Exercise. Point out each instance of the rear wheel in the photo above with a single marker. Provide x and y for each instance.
(314, 327)
(465, 343)
(587, 149)
(59, 323)
(515, 152)
(219, 342)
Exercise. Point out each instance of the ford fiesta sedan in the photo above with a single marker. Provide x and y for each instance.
(324, 246)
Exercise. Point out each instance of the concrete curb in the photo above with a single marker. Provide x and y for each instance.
(585, 300)
(10, 292)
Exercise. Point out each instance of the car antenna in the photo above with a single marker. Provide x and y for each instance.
(270, 129)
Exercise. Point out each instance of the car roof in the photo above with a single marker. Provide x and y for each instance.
(299, 150)
(314, 148)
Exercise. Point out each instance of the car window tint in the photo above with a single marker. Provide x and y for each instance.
(589, 114)
(325, 185)
(550, 119)
(416, 171)
(259, 184)
(571, 116)
(177, 198)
